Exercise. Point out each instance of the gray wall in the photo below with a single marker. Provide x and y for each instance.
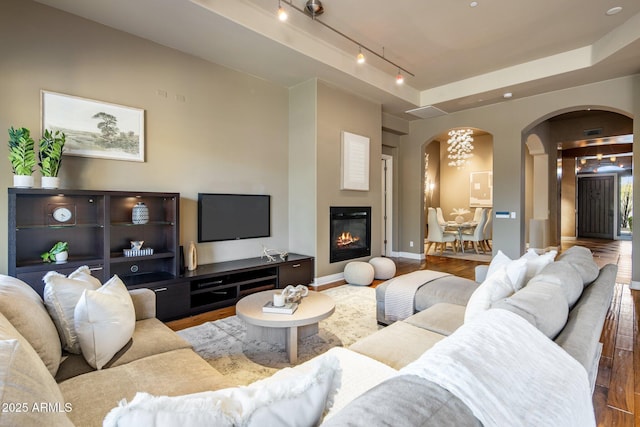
(230, 135)
(507, 122)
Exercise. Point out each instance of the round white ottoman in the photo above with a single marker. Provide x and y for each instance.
(358, 273)
(383, 268)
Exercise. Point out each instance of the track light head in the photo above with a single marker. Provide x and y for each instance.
(360, 58)
(314, 7)
(399, 78)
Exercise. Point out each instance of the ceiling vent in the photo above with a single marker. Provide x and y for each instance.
(427, 112)
(593, 132)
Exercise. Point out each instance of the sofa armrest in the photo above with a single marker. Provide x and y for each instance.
(481, 273)
(144, 303)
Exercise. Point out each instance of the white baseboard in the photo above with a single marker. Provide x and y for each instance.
(410, 255)
(331, 278)
(635, 285)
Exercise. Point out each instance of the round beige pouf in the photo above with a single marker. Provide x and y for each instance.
(383, 268)
(358, 273)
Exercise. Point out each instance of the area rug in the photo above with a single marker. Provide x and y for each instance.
(224, 345)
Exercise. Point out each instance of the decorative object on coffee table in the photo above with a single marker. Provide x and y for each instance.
(140, 213)
(50, 151)
(22, 157)
(294, 294)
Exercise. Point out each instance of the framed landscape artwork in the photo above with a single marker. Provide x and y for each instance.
(95, 128)
(481, 189)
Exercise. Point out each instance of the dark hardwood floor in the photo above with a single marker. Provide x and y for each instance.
(618, 384)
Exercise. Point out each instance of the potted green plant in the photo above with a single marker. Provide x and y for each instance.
(58, 253)
(50, 156)
(22, 157)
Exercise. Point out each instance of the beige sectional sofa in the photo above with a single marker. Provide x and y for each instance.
(33, 393)
(41, 387)
(567, 300)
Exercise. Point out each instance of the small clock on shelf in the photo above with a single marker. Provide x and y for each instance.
(62, 214)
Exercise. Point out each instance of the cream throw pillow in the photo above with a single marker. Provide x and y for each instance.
(61, 294)
(24, 308)
(104, 320)
(292, 397)
(495, 288)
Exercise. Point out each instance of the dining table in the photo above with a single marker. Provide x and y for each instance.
(460, 227)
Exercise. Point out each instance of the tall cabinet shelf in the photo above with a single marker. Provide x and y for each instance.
(99, 230)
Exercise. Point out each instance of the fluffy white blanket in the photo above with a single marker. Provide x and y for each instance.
(509, 374)
(400, 294)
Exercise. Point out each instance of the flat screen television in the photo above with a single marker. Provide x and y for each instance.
(233, 216)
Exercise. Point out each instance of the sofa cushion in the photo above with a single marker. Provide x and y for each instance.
(24, 382)
(405, 400)
(171, 374)
(104, 320)
(541, 304)
(291, 397)
(442, 318)
(397, 345)
(562, 274)
(150, 337)
(24, 308)
(496, 287)
(581, 259)
(61, 294)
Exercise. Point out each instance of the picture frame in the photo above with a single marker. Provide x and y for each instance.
(481, 189)
(95, 128)
(355, 162)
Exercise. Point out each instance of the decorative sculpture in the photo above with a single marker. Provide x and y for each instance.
(294, 293)
(266, 253)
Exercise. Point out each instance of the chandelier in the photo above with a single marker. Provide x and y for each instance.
(460, 147)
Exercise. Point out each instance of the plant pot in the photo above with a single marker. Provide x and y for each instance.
(50, 182)
(23, 181)
(61, 257)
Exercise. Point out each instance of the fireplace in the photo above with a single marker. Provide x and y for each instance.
(350, 233)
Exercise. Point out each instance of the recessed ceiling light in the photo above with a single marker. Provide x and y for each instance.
(473, 4)
(614, 10)
(507, 95)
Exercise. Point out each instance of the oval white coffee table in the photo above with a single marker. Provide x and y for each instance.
(284, 328)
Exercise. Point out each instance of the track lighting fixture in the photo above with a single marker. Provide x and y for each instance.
(313, 8)
(282, 13)
(360, 58)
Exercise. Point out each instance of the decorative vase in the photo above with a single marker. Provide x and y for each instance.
(459, 219)
(192, 257)
(23, 181)
(50, 182)
(140, 213)
(61, 257)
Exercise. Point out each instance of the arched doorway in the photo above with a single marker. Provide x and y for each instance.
(589, 169)
(451, 188)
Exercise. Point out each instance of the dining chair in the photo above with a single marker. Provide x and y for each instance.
(440, 217)
(487, 233)
(477, 215)
(476, 236)
(437, 235)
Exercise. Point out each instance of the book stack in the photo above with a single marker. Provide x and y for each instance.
(288, 308)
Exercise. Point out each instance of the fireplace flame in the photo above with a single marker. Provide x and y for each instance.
(346, 239)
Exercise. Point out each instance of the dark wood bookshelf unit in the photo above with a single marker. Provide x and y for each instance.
(101, 227)
(99, 230)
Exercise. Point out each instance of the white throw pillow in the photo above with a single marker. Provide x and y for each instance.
(494, 288)
(61, 294)
(292, 397)
(104, 320)
(535, 262)
(514, 269)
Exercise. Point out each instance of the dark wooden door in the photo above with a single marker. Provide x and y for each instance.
(596, 198)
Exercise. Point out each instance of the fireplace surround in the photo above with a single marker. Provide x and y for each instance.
(350, 232)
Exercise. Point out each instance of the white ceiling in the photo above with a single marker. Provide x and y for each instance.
(462, 57)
